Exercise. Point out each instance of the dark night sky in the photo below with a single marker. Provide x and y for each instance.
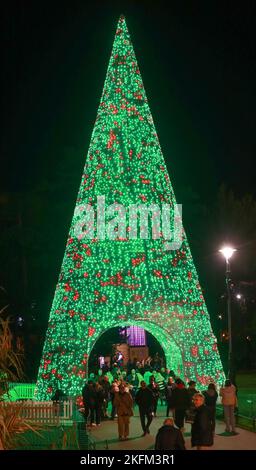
(199, 72)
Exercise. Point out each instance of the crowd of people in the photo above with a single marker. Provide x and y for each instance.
(140, 385)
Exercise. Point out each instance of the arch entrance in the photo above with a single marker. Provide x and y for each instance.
(171, 351)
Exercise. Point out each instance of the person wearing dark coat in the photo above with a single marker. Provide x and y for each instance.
(99, 398)
(210, 399)
(153, 386)
(202, 427)
(145, 401)
(190, 412)
(168, 394)
(106, 395)
(89, 401)
(179, 402)
(169, 438)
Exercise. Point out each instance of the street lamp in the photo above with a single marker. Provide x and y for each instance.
(227, 252)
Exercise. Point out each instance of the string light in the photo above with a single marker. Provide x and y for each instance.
(107, 283)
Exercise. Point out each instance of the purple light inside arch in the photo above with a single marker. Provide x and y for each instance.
(136, 336)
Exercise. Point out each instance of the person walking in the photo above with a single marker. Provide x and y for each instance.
(153, 386)
(106, 396)
(89, 400)
(123, 403)
(99, 397)
(113, 390)
(180, 403)
(145, 401)
(169, 438)
(202, 427)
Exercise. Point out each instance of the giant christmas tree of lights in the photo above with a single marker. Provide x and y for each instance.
(106, 283)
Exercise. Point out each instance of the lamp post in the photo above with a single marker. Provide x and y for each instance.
(227, 252)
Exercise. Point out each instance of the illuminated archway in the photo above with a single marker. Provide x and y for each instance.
(173, 355)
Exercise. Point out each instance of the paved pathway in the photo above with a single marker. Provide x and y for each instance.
(106, 436)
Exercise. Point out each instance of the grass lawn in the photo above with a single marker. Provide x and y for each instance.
(50, 438)
(246, 384)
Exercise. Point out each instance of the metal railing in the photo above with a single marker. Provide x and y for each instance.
(19, 391)
(242, 420)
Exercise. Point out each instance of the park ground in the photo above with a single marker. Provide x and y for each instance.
(105, 437)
